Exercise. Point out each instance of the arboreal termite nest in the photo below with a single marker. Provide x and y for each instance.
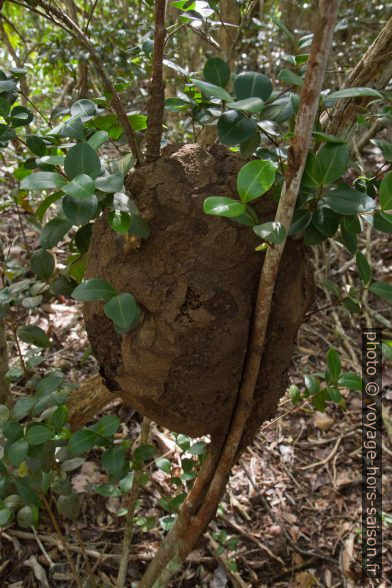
(196, 278)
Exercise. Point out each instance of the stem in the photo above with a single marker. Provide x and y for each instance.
(131, 504)
(156, 99)
(85, 556)
(201, 504)
(60, 535)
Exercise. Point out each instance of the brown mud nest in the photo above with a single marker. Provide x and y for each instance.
(196, 278)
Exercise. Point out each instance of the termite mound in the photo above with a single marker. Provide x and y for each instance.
(196, 278)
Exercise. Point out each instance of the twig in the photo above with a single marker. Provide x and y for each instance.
(235, 578)
(85, 556)
(156, 99)
(202, 501)
(131, 504)
(90, 16)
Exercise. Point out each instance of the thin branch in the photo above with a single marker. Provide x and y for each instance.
(90, 16)
(201, 504)
(156, 99)
(131, 504)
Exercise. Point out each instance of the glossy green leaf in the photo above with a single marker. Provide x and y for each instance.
(98, 139)
(37, 434)
(250, 84)
(27, 516)
(107, 426)
(253, 105)
(271, 231)
(312, 172)
(49, 383)
(42, 263)
(344, 200)
(248, 147)
(60, 417)
(43, 181)
(36, 145)
(386, 192)
(119, 221)
(350, 240)
(216, 71)
(223, 206)
(113, 460)
(53, 232)
(17, 452)
(333, 364)
(81, 441)
(312, 236)
(79, 210)
(333, 161)
(382, 290)
(51, 160)
(81, 186)
(255, 179)
(234, 127)
(82, 159)
(326, 221)
(33, 335)
(83, 108)
(111, 183)
(93, 289)
(364, 269)
(290, 78)
(123, 310)
(301, 219)
(212, 91)
(350, 380)
(358, 92)
(381, 221)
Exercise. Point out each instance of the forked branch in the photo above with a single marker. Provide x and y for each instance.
(202, 501)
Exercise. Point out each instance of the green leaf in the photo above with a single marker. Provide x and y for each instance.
(50, 383)
(33, 335)
(364, 269)
(334, 394)
(27, 516)
(255, 179)
(385, 147)
(344, 200)
(36, 145)
(382, 290)
(119, 221)
(216, 71)
(71, 128)
(248, 147)
(312, 236)
(81, 186)
(386, 192)
(358, 92)
(107, 426)
(82, 159)
(79, 210)
(253, 105)
(81, 441)
(37, 434)
(350, 380)
(46, 203)
(234, 128)
(350, 240)
(301, 219)
(5, 516)
(138, 121)
(83, 108)
(198, 448)
(93, 289)
(111, 183)
(326, 221)
(352, 224)
(290, 78)
(143, 453)
(98, 139)
(250, 84)
(271, 231)
(113, 460)
(223, 206)
(163, 464)
(53, 232)
(123, 310)
(312, 172)
(139, 227)
(212, 91)
(333, 161)
(43, 181)
(22, 407)
(17, 452)
(334, 364)
(51, 160)
(381, 221)
(60, 417)
(42, 263)
(312, 384)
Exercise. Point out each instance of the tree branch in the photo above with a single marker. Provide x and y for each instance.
(157, 87)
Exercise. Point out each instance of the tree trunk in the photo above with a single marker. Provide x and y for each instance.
(374, 70)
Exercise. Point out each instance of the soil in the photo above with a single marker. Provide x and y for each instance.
(195, 278)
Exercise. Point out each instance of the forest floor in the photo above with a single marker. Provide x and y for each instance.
(291, 515)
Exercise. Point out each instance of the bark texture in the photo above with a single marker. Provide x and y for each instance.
(196, 279)
(374, 70)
